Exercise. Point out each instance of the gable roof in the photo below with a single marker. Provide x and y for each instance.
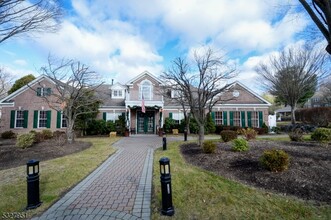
(141, 75)
(251, 92)
(40, 78)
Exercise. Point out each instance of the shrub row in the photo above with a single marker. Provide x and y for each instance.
(320, 116)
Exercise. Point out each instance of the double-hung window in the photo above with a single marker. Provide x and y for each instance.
(219, 118)
(19, 122)
(42, 119)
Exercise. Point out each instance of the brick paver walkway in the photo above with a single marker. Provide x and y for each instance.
(119, 189)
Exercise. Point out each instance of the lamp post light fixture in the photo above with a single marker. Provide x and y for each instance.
(167, 207)
(164, 141)
(32, 170)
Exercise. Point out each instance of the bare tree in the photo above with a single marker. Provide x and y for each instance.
(320, 13)
(325, 89)
(23, 16)
(5, 82)
(200, 84)
(75, 85)
(293, 75)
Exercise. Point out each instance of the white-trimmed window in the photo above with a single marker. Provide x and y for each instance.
(113, 116)
(41, 91)
(236, 118)
(63, 121)
(178, 116)
(255, 119)
(19, 120)
(145, 90)
(42, 119)
(118, 93)
(219, 118)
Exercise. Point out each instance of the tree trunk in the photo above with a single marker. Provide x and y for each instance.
(201, 134)
(293, 115)
(70, 132)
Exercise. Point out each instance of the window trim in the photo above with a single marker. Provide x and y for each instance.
(150, 90)
(118, 91)
(15, 125)
(39, 112)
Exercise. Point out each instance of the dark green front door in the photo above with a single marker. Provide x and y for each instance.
(146, 122)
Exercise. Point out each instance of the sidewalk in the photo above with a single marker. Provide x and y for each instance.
(119, 189)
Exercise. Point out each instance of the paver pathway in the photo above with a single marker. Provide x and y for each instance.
(119, 189)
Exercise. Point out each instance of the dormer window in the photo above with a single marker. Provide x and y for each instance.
(118, 93)
(145, 90)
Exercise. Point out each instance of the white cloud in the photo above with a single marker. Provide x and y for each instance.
(21, 62)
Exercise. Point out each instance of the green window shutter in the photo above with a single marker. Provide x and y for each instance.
(58, 119)
(12, 118)
(104, 116)
(26, 117)
(170, 115)
(225, 118)
(35, 119)
(48, 91)
(243, 121)
(213, 116)
(49, 117)
(38, 91)
(249, 119)
(260, 119)
(231, 118)
(123, 114)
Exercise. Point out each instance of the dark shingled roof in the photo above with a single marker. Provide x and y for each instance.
(103, 92)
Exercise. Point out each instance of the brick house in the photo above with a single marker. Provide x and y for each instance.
(244, 109)
(25, 110)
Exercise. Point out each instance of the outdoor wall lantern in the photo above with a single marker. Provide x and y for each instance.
(167, 207)
(32, 169)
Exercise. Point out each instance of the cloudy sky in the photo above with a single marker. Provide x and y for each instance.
(122, 38)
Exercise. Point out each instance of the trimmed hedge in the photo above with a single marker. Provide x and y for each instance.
(319, 116)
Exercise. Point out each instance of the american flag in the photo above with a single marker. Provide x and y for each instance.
(143, 104)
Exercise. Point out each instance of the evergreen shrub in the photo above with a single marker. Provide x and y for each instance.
(209, 147)
(240, 144)
(25, 140)
(275, 160)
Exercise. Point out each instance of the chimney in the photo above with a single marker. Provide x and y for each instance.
(112, 81)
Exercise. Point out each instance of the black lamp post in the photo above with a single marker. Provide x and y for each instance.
(185, 134)
(164, 141)
(32, 170)
(167, 207)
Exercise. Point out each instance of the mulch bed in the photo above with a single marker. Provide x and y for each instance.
(308, 176)
(13, 156)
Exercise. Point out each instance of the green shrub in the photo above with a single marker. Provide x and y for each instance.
(276, 130)
(249, 133)
(38, 137)
(321, 135)
(8, 134)
(209, 147)
(210, 125)
(228, 135)
(275, 160)
(240, 144)
(25, 140)
(296, 135)
(48, 134)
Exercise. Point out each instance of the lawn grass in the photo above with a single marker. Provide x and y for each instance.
(199, 194)
(56, 176)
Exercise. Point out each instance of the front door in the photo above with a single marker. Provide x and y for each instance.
(146, 122)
